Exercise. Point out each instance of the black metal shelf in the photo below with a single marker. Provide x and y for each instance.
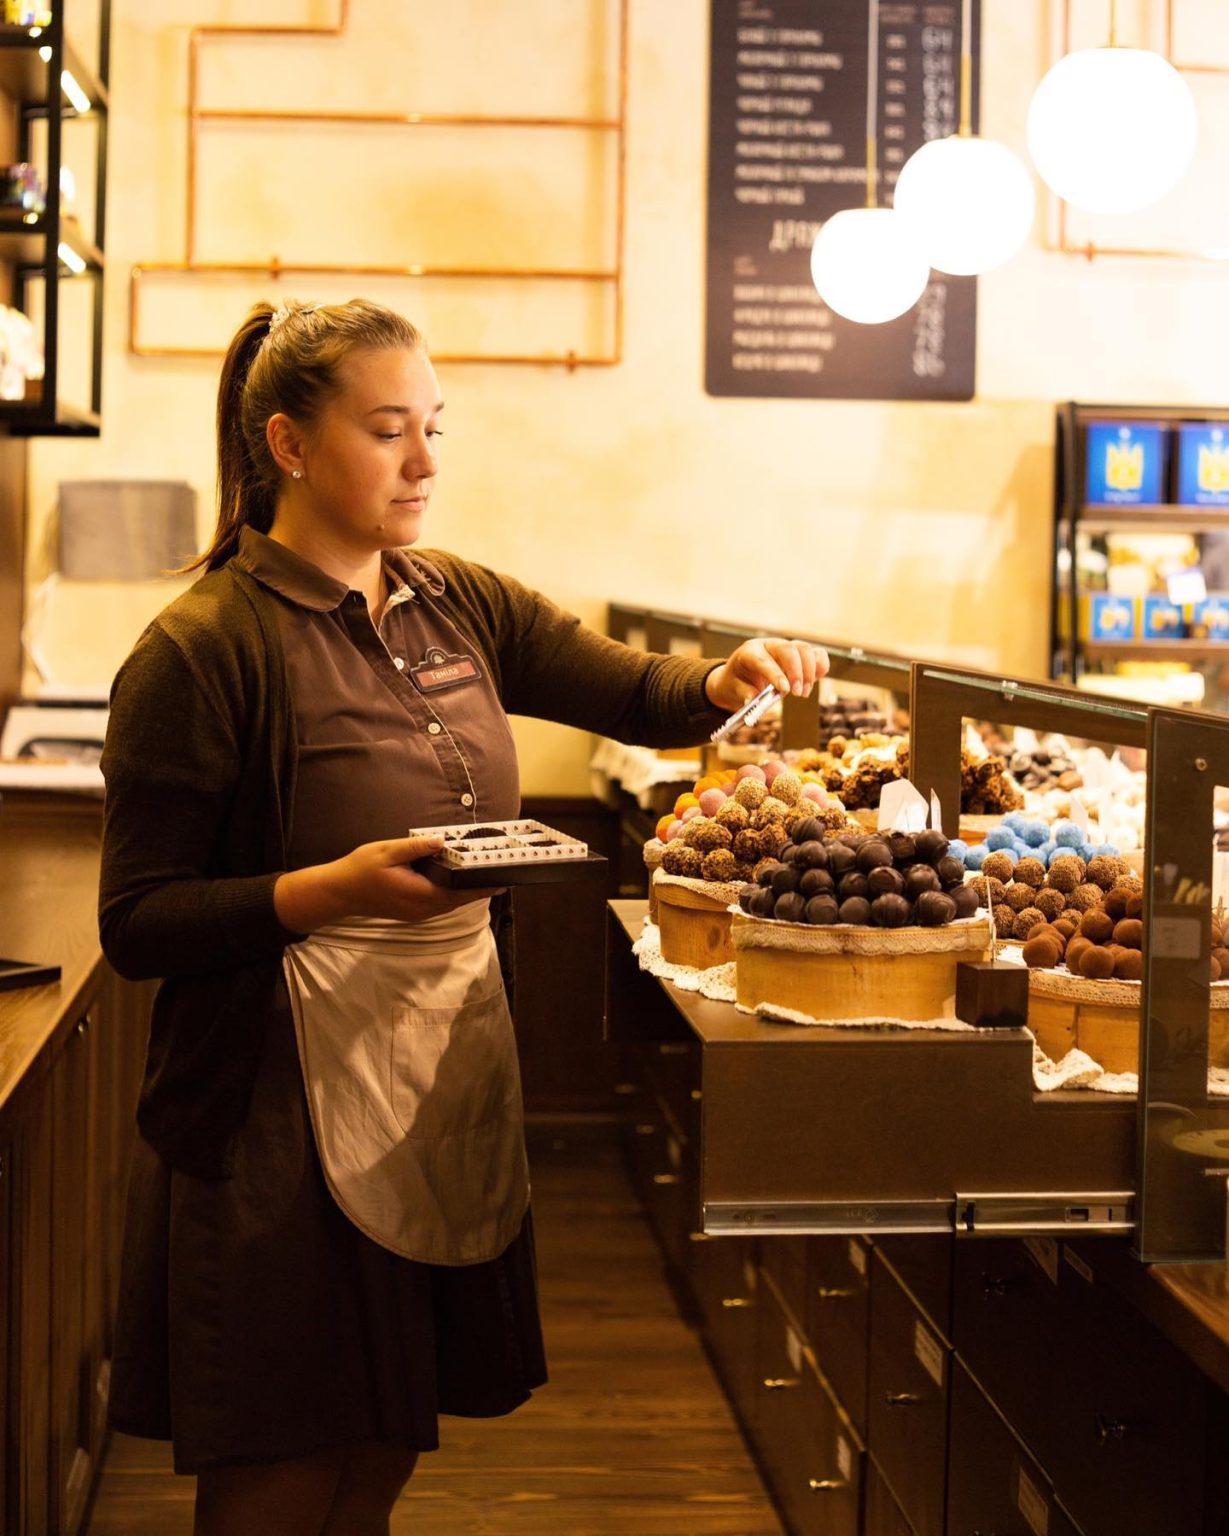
(31, 418)
(34, 63)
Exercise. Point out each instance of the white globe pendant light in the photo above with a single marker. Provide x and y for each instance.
(969, 200)
(1112, 130)
(867, 265)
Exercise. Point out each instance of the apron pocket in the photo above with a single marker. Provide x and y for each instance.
(453, 1069)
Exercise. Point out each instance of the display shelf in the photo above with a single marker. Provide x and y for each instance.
(31, 59)
(1076, 520)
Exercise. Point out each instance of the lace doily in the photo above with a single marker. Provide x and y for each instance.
(970, 933)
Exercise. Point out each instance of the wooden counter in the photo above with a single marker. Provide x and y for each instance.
(965, 1381)
(71, 1055)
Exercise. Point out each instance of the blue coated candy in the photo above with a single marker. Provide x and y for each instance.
(976, 856)
(1034, 833)
(1068, 834)
(1000, 837)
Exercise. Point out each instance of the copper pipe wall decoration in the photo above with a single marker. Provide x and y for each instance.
(276, 267)
(1089, 249)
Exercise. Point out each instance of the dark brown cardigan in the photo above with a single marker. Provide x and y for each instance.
(200, 762)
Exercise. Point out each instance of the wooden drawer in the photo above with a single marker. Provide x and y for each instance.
(810, 1455)
(785, 1261)
(992, 1482)
(923, 1265)
(907, 1401)
(836, 1317)
(884, 1516)
(726, 1280)
(673, 1067)
(1018, 1339)
(1130, 1455)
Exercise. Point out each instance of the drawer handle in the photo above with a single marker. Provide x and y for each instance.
(901, 1399)
(826, 1484)
(736, 1301)
(696, 1095)
(780, 1383)
(835, 1292)
(1109, 1429)
(665, 1178)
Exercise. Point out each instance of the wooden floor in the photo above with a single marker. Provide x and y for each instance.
(631, 1438)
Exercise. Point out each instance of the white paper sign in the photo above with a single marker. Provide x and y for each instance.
(901, 808)
(1187, 586)
(936, 811)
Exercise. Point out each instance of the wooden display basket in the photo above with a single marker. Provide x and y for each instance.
(841, 972)
(694, 926)
(1101, 1018)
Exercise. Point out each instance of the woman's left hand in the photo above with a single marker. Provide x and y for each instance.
(793, 666)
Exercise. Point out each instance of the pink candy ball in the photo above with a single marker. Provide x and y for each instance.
(815, 792)
(675, 829)
(751, 771)
(772, 767)
(712, 800)
(691, 812)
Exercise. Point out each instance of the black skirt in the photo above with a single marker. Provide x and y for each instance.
(256, 1323)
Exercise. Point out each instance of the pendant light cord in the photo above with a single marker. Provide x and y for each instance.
(966, 69)
(872, 103)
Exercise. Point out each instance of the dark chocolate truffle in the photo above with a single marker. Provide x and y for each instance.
(891, 912)
(883, 880)
(965, 898)
(931, 845)
(1096, 963)
(934, 908)
(1041, 953)
(919, 878)
(810, 830)
(852, 884)
(784, 879)
(873, 853)
(815, 882)
(821, 909)
(790, 908)
(1097, 926)
(1129, 965)
(811, 855)
(904, 848)
(855, 910)
(1129, 932)
(950, 871)
(762, 902)
(841, 858)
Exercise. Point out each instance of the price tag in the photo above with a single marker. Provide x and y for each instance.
(1033, 1505)
(1044, 1253)
(929, 1351)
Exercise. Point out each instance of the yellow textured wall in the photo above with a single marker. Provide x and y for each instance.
(921, 528)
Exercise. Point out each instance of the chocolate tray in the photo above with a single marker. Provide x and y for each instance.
(493, 876)
(495, 853)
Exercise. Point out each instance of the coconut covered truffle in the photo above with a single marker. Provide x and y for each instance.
(998, 865)
(720, 864)
(786, 787)
(679, 859)
(750, 793)
(732, 816)
(1085, 897)
(1066, 872)
(1031, 872)
(1026, 921)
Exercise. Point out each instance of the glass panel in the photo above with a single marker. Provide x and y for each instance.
(1184, 1123)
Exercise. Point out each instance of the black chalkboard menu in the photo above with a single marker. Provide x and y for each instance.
(788, 101)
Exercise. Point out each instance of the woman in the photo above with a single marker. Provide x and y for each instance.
(329, 1239)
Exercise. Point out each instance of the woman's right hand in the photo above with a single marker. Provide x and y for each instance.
(374, 880)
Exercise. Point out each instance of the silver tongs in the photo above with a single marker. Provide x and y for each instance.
(750, 713)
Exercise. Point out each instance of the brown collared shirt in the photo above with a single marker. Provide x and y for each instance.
(398, 725)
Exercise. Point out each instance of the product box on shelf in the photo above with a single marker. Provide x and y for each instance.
(1106, 616)
(1125, 463)
(1162, 620)
(1202, 470)
(1210, 618)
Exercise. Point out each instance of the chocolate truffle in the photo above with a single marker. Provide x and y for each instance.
(1066, 925)
(934, 908)
(733, 817)
(950, 871)
(852, 884)
(1115, 902)
(822, 909)
(1128, 931)
(1004, 920)
(841, 858)
(856, 910)
(1085, 897)
(746, 899)
(998, 865)
(904, 848)
(1049, 901)
(815, 882)
(785, 879)
(1026, 921)
(750, 793)
(762, 902)
(931, 845)
(1018, 896)
(1221, 956)
(747, 846)
(678, 859)
(965, 898)
(1041, 953)
(1066, 872)
(790, 907)
(919, 878)
(891, 912)
(873, 854)
(1129, 965)
(718, 865)
(704, 834)
(1097, 926)
(765, 870)
(1031, 872)
(812, 855)
(809, 830)
(883, 880)
(990, 892)
(1135, 904)
(786, 787)
(1104, 870)
(1075, 948)
(1096, 963)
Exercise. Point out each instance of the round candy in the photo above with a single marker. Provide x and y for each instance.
(712, 800)
(976, 856)
(751, 771)
(998, 837)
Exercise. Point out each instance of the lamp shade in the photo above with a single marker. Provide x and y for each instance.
(867, 266)
(1111, 130)
(968, 200)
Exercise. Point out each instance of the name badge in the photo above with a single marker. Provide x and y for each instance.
(440, 669)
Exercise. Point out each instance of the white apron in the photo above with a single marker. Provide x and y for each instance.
(409, 1062)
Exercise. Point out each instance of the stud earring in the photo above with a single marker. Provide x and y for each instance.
(296, 474)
